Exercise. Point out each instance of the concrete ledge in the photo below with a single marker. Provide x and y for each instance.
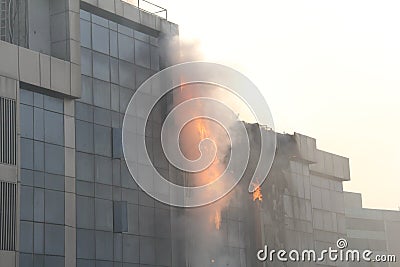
(41, 70)
(131, 14)
(8, 87)
(306, 146)
(8, 173)
(352, 200)
(328, 164)
(9, 60)
(7, 258)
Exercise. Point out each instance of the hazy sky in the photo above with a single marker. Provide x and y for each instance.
(328, 69)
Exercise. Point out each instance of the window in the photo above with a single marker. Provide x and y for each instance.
(120, 216)
(8, 131)
(100, 37)
(7, 215)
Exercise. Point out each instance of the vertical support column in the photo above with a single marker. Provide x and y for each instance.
(70, 197)
(65, 30)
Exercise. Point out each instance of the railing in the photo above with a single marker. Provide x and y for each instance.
(149, 7)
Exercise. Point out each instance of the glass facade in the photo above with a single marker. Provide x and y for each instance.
(42, 180)
(115, 60)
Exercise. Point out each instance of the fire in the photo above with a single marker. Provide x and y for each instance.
(257, 195)
(202, 130)
(196, 131)
(217, 219)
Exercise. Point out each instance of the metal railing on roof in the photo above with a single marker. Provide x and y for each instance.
(149, 7)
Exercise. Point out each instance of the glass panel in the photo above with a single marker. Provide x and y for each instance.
(84, 166)
(38, 100)
(125, 30)
(102, 140)
(84, 112)
(155, 58)
(38, 153)
(84, 15)
(114, 70)
(26, 121)
(26, 153)
(26, 177)
(54, 239)
(25, 260)
(38, 205)
(113, 44)
(133, 219)
(38, 260)
(38, 117)
(103, 191)
(38, 239)
(103, 170)
(55, 182)
(104, 214)
(26, 203)
(120, 216)
(99, 20)
(141, 36)
(125, 48)
(102, 116)
(142, 75)
(113, 25)
(85, 244)
(53, 104)
(126, 74)
(118, 247)
(114, 97)
(130, 249)
(84, 136)
(85, 213)
(147, 250)
(101, 67)
(26, 237)
(100, 39)
(87, 90)
(86, 61)
(146, 221)
(101, 94)
(39, 179)
(163, 252)
(54, 159)
(125, 95)
(54, 261)
(86, 34)
(104, 245)
(54, 207)
(85, 188)
(26, 97)
(54, 128)
(85, 263)
(142, 54)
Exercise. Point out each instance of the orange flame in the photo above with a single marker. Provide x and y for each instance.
(257, 195)
(196, 131)
(217, 219)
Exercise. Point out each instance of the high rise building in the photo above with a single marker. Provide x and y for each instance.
(68, 69)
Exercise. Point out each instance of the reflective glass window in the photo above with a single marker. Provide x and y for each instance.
(101, 67)
(100, 37)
